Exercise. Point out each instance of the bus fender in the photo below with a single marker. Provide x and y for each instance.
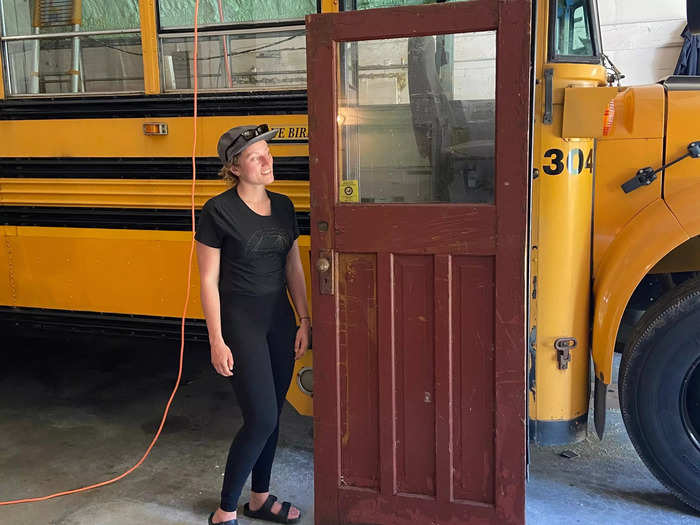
(641, 243)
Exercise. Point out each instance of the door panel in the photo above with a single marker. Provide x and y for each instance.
(419, 172)
(358, 370)
(473, 369)
(414, 370)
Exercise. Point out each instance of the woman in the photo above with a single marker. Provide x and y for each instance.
(248, 257)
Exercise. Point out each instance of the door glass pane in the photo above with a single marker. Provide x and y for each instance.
(416, 119)
(180, 13)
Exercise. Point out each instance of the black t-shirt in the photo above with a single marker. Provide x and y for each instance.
(253, 247)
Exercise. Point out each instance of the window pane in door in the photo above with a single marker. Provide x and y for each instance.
(416, 119)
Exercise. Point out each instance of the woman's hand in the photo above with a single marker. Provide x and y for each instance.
(222, 358)
(302, 340)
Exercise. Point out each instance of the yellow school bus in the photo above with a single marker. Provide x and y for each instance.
(614, 250)
(96, 107)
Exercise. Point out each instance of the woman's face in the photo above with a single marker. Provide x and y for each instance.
(255, 165)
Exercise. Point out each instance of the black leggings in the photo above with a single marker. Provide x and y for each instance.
(260, 331)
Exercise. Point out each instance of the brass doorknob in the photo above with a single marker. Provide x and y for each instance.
(323, 264)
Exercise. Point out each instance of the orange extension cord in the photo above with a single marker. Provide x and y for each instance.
(184, 312)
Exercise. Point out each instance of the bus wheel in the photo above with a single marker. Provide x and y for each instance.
(659, 388)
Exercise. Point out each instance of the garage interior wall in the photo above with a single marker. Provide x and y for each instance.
(642, 37)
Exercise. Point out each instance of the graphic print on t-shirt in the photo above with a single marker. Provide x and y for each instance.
(267, 241)
(253, 247)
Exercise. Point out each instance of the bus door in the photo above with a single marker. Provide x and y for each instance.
(419, 121)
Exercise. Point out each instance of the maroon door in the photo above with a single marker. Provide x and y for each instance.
(419, 120)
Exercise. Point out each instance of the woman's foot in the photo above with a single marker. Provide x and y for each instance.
(221, 516)
(258, 499)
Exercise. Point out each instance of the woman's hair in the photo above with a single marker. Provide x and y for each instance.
(226, 172)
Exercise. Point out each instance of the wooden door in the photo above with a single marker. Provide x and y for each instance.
(419, 122)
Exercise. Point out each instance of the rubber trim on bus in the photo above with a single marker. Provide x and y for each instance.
(19, 319)
(147, 168)
(165, 219)
(293, 102)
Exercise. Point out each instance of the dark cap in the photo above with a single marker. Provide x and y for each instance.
(233, 141)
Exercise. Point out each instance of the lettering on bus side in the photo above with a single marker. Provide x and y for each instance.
(292, 132)
(573, 162)
(296, 133)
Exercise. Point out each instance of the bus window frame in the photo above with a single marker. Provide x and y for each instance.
(351, 5)
(6, 74)
(224, 29)
(230, 26)
(591, 9)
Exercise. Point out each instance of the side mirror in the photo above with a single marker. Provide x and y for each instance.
(647, 175)
(693, 14)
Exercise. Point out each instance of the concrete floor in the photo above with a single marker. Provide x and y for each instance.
(79, 411)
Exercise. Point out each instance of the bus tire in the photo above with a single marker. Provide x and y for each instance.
(659, 390)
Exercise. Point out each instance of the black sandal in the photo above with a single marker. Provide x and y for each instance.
(229, 522)
(265, 512)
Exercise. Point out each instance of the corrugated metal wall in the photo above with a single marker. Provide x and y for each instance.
(642, 37)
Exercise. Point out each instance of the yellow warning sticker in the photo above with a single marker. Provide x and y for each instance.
(349, 191)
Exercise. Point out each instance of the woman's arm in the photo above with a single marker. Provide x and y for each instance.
(296, 284)
(209, 260)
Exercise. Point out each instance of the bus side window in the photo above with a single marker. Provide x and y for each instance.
(93, 46)
(356, 5)
(231, 54)
(573, 35)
